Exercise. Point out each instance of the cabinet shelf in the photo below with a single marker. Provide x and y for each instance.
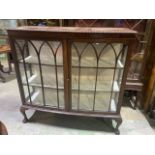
(33, 96)
(33, 81)
(91, 62)
(45, 86)
(104, 87)
(35, 99)
(32, 60)
(87, 88)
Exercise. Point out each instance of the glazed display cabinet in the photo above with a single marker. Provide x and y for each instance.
(72, 71)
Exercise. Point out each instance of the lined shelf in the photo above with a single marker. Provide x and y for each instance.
(35, 99)
(85, 87)
(33, 60)
(51, 101)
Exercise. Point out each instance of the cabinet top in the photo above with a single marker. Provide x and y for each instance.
(75, 29)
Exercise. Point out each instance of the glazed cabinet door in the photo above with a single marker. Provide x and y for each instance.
(96, 75)
(40, 65)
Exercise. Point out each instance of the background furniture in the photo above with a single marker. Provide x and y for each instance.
(44, 22)
(5, 49)
(3, 130)
(151, 97)
(5, 53)
(133, 85)
(72, 71)
(149, 69)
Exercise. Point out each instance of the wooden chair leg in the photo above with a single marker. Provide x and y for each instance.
(132, 100)
(9, 63)
(138, 99)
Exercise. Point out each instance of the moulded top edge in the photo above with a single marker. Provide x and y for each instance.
(76, 29)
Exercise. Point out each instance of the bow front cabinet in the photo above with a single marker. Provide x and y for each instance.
(72, 70)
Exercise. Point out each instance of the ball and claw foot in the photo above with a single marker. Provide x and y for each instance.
(119, 122)
(22, 110)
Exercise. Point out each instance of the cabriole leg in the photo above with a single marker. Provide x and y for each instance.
(22, 110)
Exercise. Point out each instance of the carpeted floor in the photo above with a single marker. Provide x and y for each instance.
(134, 121)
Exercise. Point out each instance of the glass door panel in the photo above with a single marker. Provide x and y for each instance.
(96, 74)
(41, 69)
